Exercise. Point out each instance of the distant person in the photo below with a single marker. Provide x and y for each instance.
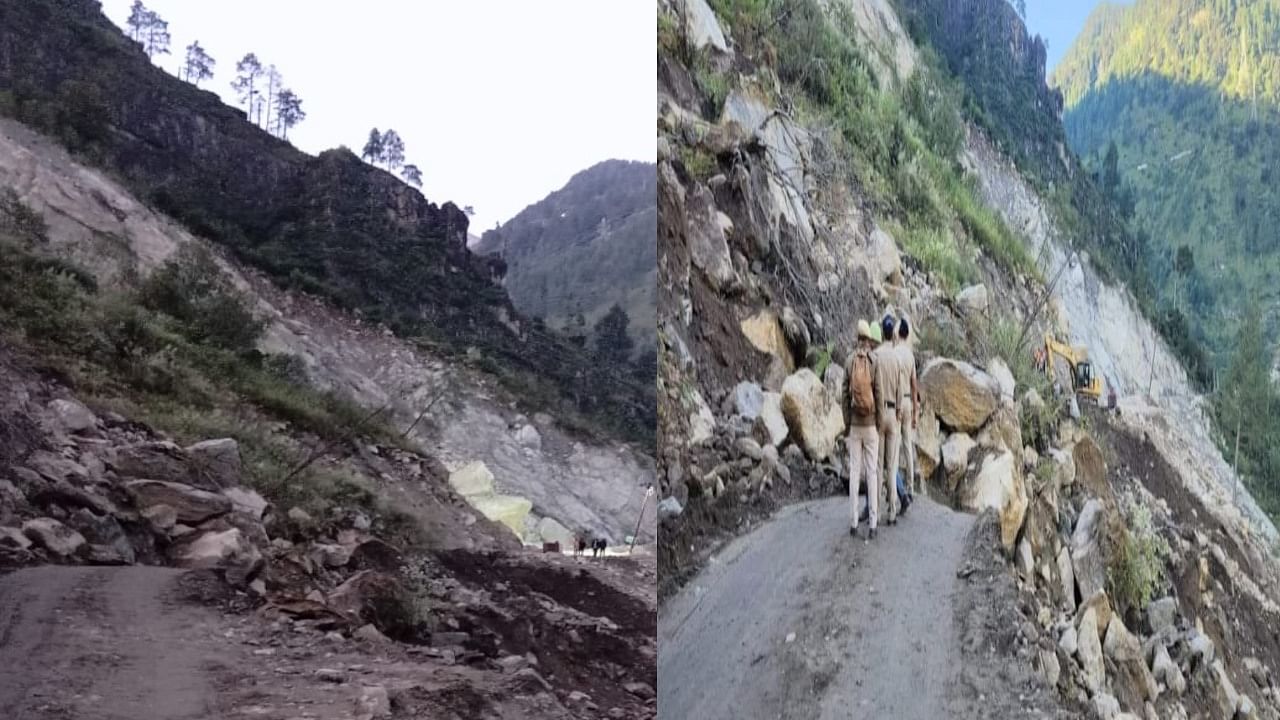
(889, 394)
(910, 406)
(579, 544)
(598, 546)
(863, 440)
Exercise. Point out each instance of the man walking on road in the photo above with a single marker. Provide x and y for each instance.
(910, 403)
(889, 408)
(863, 441)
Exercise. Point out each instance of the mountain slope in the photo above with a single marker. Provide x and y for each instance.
(331, 225)
(585, 248)
(1189, 93)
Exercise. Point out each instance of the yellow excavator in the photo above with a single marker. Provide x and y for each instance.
(1069, 365)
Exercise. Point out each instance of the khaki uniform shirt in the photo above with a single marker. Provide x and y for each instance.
(887, 375)
(906, 360)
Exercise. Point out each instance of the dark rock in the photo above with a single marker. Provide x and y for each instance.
(104, 532)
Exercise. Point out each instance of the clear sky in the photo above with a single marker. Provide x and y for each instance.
(499, 102)
(1059, 21)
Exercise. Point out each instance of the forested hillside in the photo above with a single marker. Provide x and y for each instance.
(1175, 106)
(584, 250)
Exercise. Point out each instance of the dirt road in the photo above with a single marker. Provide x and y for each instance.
(799, 620)
(104, 643)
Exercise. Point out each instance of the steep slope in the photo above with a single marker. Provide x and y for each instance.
(1188, 93)
(330, 225)
(803, 184)
(98, 226)
(585, 248)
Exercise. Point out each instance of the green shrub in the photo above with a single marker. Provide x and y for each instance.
(698, 162)
(939, 253)
(942, 341)
(1136, 567)
(713, 84)
(192, 289)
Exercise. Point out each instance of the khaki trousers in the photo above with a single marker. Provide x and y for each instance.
(864, 456)
(909, 446)
(890, 444)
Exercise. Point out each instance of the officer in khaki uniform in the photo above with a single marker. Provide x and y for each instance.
(910, 401)
(863, 441)
(888, 373)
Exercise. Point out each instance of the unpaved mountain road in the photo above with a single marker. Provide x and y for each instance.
(79, 642)
(872, 623)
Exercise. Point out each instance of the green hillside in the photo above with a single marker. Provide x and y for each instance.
(1189, 93)
(585, 248)
(1175, 104)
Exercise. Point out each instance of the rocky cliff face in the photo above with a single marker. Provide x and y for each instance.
(331, 225)
(585, 248)
(98, 225)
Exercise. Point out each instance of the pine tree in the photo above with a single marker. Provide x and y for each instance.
(288, 111)
(248, 70)
(613, 344)
(155, 35)
(392, 150)
(373, 148)
(1111, 170)
(137, 21)
(274, 83)
(198, 65)
(1184, 262)
(412, 175)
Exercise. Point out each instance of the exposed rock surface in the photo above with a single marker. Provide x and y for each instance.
(962, 395)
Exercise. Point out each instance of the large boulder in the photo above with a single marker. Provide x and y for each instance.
(705, 234)
(764, 331)
(1162, 614)
(1064, 467)
(1120, 644)
(472, 479)
(104, 532)
(1086, 549)
(249, 502)
(702, 423)
(795, 331)
(955, 457)
(1002, 431)
(53, 536)
(551, 531)
(158, 461)
(52, 467)
(973, 299)
(1167, 671)
(814, 419)
(378, 598)
(509, 510)
(1067, 577)
(216, 462)
(72, 416)
(701, 26)
(13, 538)
(748, 400)
(775, 423)
(999, 370)
(192, 505)
(229, 551)
(1089, 650)
(962, 395)
(928, 444)
(1091, 467)
(998, 485)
